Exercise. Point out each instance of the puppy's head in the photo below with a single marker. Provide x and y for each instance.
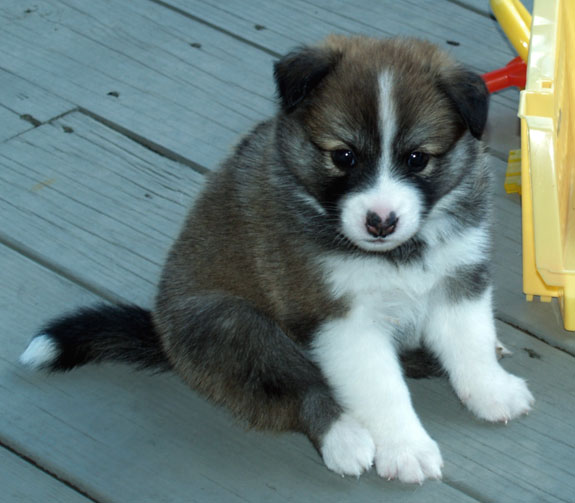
(377, 133)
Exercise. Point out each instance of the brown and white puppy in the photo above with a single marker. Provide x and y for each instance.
(348, 231)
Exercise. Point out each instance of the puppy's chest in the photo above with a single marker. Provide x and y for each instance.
(385, 292)
(381, 295)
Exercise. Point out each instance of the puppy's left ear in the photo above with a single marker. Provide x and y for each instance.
(469, 94)
(298, 73)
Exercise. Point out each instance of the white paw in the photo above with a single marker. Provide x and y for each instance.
(499, 396)
(412, 460)
(347, 447)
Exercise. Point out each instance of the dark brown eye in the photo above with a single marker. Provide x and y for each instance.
(417, 161)
(344, 158)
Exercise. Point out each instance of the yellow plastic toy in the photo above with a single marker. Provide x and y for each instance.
(515, 21)
(547, 147)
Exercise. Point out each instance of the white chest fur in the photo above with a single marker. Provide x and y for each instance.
(397, 296)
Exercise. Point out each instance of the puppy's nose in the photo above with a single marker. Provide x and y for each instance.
(377, 227)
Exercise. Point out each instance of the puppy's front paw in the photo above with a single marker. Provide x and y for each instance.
(347, 447)
(499, 396)
(412, 460)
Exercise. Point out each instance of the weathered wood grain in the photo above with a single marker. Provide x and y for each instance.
(482, 6)
(81, 194)
(22, 482)
(191, 88)
(24, 106)
(102, 57)
(281, 25)
(11, 124)
(29, 100)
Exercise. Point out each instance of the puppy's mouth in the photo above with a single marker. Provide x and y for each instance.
(379, 244)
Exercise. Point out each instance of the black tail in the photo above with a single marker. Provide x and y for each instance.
(123, 333)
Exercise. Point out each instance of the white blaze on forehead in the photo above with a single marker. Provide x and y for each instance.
(387, 117)
(387, 193)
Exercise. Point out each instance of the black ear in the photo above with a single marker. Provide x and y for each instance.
(300, 71)
(469, 94)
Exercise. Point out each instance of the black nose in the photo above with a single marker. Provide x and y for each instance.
(377, 227)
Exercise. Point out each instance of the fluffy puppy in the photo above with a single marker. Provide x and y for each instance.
(348, 230)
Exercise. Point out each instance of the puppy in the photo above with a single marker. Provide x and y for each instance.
(346, 232)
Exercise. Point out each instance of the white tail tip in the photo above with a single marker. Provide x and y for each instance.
(40, 353)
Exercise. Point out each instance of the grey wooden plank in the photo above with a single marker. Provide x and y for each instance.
(282, 24)
(22, 482)
(30, 100)
(24, 105)
(483, 5)
(162, 85)
(80, 185)
(159, 87)
(11, 124)
(124, 436)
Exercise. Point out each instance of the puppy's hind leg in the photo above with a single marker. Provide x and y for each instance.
(240, 358)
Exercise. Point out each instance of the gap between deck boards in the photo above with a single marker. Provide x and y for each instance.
(147, 143)
(213, 26)
(47, 472)
(29, 253)
(481, 12)
(34, 122)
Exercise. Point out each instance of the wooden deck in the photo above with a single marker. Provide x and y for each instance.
(111, 112)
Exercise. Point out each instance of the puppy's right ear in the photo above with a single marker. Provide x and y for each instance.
(469, 94)
(298, 73)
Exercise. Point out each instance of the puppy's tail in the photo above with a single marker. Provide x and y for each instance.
(123, 333)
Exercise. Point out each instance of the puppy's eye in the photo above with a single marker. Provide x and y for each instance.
(417, 161)
(344, 158)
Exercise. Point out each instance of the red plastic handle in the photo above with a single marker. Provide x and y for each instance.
(513, 74)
